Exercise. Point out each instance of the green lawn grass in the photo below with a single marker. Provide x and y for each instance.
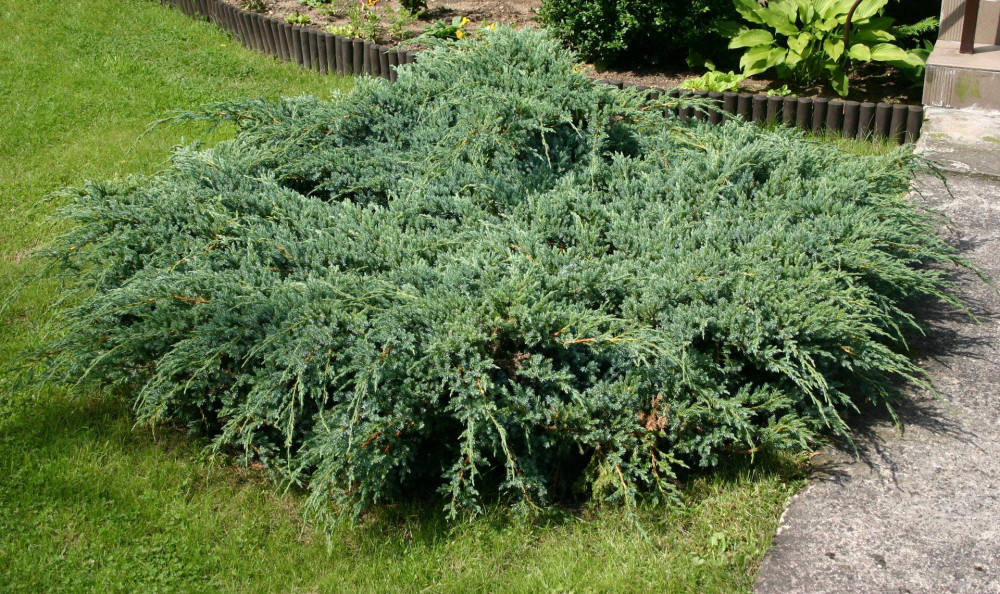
(87, 502)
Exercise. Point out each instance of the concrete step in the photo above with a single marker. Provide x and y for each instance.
(963, 80)
(962, 140)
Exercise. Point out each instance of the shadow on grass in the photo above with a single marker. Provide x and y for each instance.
(52, 425)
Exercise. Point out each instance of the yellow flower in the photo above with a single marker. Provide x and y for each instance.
(372, 2)
(460, 34)
(465, 21)
(492, 27)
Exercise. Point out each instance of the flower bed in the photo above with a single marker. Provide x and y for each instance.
(325, 52)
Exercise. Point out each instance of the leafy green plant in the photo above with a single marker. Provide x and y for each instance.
(494, 278)
(918, 39)
(316, 3)
(400, 21)
(366, 20)
(362, 21)
(254, 5)
(915, 64)
(615, 31)
(919, 29)
(297, 18)
(441, 30)
(804, 40)
(782, 91)
(714, 80)
(344, 31)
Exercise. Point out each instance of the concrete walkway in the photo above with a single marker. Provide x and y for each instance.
(919, 510)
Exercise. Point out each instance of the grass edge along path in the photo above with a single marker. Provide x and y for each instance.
(89, 503)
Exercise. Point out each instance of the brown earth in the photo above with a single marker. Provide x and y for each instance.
(873, 83)
(516, 13)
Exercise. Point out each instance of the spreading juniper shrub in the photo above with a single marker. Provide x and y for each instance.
(495, 278)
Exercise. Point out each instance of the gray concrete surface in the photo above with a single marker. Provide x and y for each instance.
(954, 79)
(962, 140)
(919, 509)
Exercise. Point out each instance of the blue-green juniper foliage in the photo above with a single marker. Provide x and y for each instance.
(495, 278)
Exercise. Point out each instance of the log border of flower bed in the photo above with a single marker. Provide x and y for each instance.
(327, 53)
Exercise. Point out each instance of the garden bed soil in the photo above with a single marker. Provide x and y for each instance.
(874, 83)
(516, 13)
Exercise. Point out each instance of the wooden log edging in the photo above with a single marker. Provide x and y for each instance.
(851, 119)
(327, 53)
(310, 48)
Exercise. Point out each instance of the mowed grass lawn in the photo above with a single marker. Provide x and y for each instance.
(89, 503)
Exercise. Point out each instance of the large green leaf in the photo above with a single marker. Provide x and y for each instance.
(775, 57)
(807, 11)
(778, 21)
(799, 43)
(727, 28)
(822, 6)
(754, 58)
(828, 25)
(868, 9)
(752, 37)
(834, 48)
(914, 59)
(860, 51)
(882, 23)
(748, 9)
(839, 9)
(790, 8)
(836, 8)
(871, 35)
(838, 80)
(887, 52)
(914, 65)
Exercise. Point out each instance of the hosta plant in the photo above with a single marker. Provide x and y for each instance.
(804, 40)
(494, 281)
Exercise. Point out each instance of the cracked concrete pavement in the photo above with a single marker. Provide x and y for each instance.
(918, 510)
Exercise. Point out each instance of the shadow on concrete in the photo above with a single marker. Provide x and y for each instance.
(873, 426)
